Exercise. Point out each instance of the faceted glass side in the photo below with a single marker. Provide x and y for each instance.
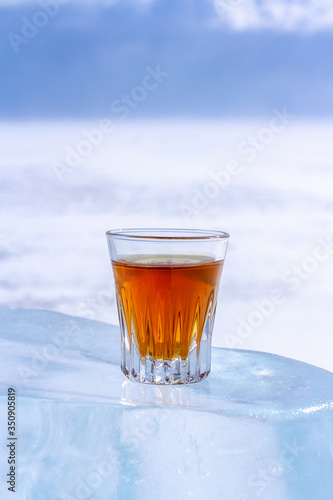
(177, 370)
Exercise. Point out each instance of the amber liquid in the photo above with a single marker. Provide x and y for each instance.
(166, 301)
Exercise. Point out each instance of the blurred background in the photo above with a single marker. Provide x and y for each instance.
(164, 113)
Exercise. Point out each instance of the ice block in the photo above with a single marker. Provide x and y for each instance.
(259, 427)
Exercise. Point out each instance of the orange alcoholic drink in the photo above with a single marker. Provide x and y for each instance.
(167, 301)
(167, 283)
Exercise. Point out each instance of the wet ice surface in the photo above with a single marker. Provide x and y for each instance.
(260, 426)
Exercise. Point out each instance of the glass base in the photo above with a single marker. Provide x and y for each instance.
(167, 371)
(176, 371)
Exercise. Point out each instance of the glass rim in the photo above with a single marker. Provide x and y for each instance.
(186, 234)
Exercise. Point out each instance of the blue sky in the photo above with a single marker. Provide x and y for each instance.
(228, 58)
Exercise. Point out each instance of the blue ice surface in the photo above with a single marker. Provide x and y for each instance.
(260, 426)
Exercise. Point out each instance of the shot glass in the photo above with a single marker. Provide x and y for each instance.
(167, 284)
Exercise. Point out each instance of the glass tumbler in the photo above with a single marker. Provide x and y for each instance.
(167, 284)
